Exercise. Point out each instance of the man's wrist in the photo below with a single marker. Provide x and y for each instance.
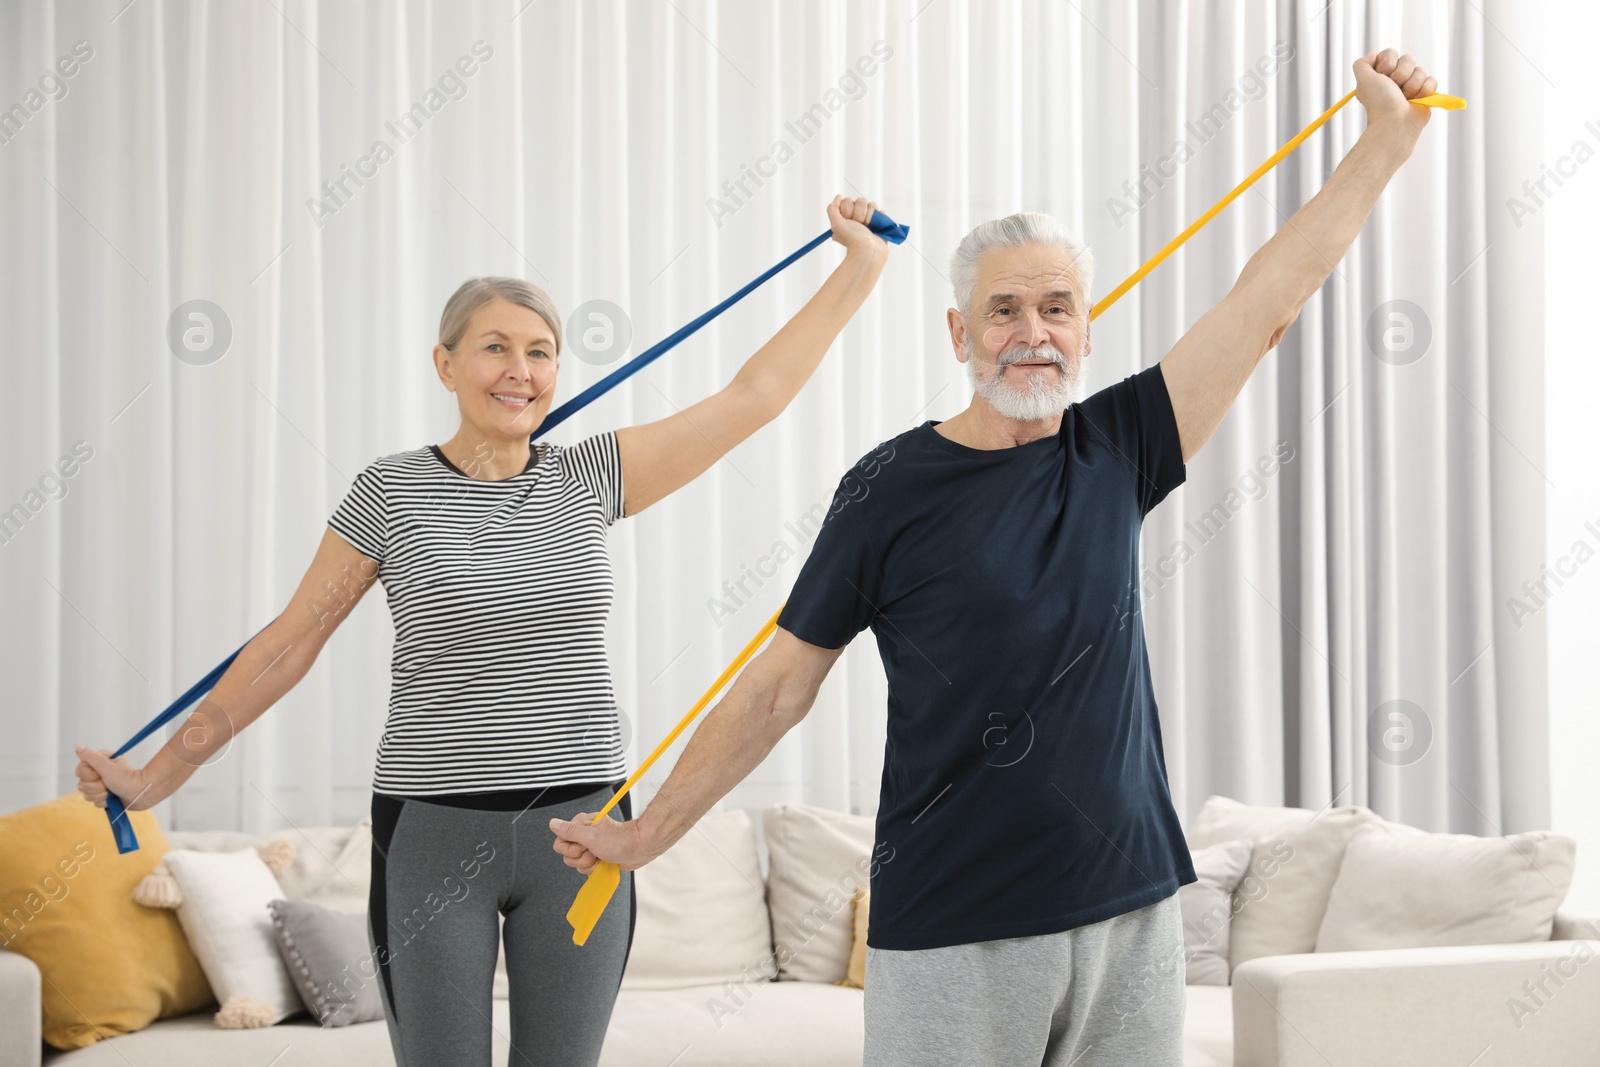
(657, 828)
(1395, 138)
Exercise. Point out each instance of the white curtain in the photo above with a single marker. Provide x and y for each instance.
(657, 155)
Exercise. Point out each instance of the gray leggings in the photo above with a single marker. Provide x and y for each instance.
(1110, 994)
(442, 873)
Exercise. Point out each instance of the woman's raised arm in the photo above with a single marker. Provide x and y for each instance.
(660, 457)
(268, 667)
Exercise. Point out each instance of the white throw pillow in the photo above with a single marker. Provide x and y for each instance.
(1279, 904)
(1401, 887)
(1208, 909)
(229, 928)
(816, 859)
(702, 919)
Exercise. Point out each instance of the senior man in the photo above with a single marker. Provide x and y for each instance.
(1027, 913)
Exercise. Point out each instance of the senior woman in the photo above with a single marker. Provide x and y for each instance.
(492, 552)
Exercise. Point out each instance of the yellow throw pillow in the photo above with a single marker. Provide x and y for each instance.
(109, 965)
(855, 972)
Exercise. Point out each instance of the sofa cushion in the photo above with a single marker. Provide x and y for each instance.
(108, 965)
(225, 917)
(1279, 904)
(195, 1041)
(337, 872)
(328, 957)
(1400, 887)
(1208, 909)
(816, 859)
(1208, 1026)
(702, 919)
(774, 1024)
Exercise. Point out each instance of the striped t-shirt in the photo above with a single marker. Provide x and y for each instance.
(499, 592)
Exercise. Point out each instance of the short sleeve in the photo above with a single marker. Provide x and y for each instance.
(596, 462)
(362, 518)
(1135, 418)
(841, 584)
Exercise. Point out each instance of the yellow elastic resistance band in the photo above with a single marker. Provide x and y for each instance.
(604, 878)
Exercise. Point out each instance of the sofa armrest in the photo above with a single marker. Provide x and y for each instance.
(1570, 927)
(1487, 1005)
(20, 1012)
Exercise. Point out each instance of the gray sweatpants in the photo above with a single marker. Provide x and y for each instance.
(1110, 994)
(441, 876)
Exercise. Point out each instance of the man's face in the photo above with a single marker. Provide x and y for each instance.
(1024, 337)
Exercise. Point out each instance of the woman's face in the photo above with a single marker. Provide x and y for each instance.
(503, 370)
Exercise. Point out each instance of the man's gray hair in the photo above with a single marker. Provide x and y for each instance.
(1023, 228)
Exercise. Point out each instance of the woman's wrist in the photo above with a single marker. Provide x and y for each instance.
(163, 776)
(873, 253)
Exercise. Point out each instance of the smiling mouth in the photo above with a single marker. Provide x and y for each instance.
(511, 400)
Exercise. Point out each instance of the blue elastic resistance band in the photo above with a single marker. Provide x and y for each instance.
(881, 224)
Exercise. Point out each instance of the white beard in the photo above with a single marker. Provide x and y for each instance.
(1036, 398)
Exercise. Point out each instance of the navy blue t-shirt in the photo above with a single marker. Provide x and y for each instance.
(1024, 788)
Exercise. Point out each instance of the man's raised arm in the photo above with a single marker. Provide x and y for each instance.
(1209, 365)
(768, 699)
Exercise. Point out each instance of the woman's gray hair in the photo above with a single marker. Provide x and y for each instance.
(1013, 231)
(476, 292)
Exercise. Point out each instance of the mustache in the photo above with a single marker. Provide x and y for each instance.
(1022, 354)
(1025, 354)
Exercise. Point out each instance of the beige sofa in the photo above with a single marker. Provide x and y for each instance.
(721, 910)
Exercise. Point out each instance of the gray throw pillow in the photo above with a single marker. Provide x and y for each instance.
(1208, 909)
(328, 957)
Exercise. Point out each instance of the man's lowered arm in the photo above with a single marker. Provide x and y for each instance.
(769, 698)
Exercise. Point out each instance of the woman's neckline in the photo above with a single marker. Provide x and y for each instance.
(535, 454)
